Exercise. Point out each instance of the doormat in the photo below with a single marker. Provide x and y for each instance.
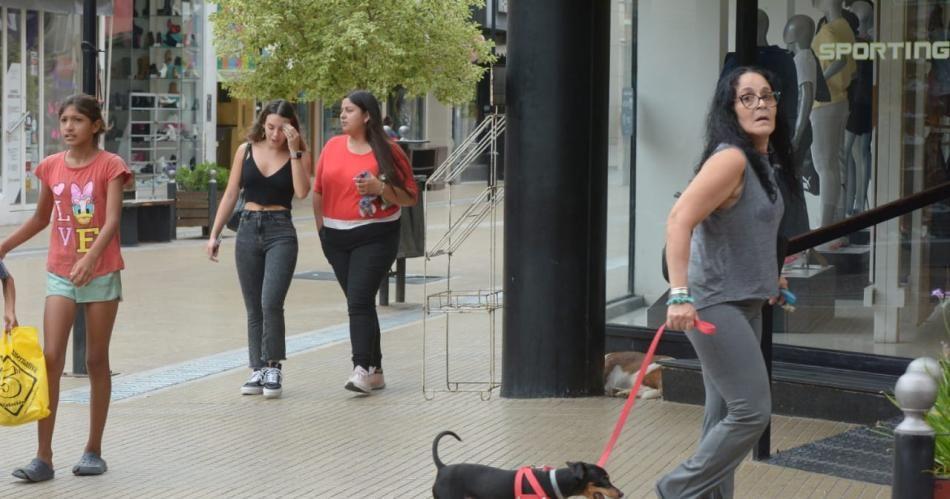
(317, 275)
(865, 454)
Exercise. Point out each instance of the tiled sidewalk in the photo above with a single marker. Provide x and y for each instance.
(179, 427)
(202, 439)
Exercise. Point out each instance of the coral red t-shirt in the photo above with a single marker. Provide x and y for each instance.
(335, 170)
(79, 210)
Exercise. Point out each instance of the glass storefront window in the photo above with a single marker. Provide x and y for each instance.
(331, 122)
(867, 89)
(409, 112)
(619, 152)
(13, 104)
(156, 110)
(31, 125)
(61, 71)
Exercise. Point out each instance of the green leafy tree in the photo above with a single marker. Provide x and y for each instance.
(322, 49)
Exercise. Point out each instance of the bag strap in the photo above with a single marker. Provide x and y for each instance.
(247, 155)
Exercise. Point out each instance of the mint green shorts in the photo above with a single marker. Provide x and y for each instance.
(103, 288)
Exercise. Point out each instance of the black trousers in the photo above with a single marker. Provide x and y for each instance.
(360, 258)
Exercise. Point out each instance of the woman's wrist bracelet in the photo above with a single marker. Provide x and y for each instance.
(679, 291)
(679, 300)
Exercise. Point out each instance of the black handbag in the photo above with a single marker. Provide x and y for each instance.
(234, 221)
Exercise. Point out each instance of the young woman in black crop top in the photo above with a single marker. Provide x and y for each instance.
(271, 169)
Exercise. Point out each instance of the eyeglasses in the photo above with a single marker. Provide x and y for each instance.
(751, 101)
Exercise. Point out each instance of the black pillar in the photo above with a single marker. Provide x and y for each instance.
(556, 202)
(89, 20)
(89, 52)
(747, 14)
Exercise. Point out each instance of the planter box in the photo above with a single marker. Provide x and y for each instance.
(192, 209)
(941, 488)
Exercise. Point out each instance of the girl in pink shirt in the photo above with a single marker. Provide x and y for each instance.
(82, 195)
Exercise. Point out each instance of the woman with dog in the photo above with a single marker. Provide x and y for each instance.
(721, 252)
(362, 180)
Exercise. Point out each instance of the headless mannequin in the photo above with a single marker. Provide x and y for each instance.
(857, 140)
(798, 36)
(828, 120)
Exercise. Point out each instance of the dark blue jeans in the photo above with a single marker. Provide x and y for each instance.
(266, 256)
(361, 257)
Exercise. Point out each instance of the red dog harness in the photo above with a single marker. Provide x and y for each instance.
(526, 472)
(702, 326)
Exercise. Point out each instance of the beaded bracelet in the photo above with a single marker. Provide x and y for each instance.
(679, 300)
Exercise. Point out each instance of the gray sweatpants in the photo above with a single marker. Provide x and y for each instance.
(738, 402)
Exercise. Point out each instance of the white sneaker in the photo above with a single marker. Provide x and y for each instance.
(359, 381)
(376, 380)
(271, 382)
(253, 385)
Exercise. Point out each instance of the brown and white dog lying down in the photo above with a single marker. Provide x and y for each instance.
(620, 373)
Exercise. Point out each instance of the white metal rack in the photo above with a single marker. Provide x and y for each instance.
(446, 304)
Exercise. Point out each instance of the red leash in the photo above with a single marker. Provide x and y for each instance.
(703, 327)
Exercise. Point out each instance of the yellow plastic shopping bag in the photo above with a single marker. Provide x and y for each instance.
(24, 392)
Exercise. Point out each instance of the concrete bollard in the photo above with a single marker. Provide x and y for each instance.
(79, 341)
(212, 196)
(172, 193)
(916, 392)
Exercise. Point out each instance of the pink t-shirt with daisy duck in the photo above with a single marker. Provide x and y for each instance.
(79, 210)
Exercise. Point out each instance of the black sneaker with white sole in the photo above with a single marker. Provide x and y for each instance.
(271, 382)
(254, 384)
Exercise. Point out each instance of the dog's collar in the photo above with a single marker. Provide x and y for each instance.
(554, 486)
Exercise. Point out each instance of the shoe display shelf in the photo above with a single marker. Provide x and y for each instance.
(155, 87)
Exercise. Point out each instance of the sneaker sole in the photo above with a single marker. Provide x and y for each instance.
(251, 391)
(380, 387)
(353, 387)
(272, 394)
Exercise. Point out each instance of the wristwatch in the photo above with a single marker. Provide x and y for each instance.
(296, 155)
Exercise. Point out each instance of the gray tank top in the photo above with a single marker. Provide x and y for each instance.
(732, 253)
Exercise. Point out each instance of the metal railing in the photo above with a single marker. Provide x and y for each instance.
(829, 233)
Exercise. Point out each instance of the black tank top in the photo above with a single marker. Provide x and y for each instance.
(277, 189)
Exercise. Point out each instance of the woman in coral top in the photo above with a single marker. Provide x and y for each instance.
(363, 180)
(81, 194)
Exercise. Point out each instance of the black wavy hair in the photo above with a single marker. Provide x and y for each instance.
(722, 127)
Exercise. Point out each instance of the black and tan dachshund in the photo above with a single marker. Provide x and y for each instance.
(476, 481)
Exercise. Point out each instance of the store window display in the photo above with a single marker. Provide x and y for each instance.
(828, 120)
(857, 137)
(781, 62)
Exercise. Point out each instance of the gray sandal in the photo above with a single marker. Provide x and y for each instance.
(36, 471)
(90, 464)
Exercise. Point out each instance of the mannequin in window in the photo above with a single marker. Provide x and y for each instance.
(798, 35)
(828, 120)
(776, 60)
(781, 62)
(857, 135)
(938, 78)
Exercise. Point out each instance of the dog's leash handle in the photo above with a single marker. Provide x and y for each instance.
(702, 326)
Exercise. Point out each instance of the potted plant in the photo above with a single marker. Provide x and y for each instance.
(939, 417)
(192, 199)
